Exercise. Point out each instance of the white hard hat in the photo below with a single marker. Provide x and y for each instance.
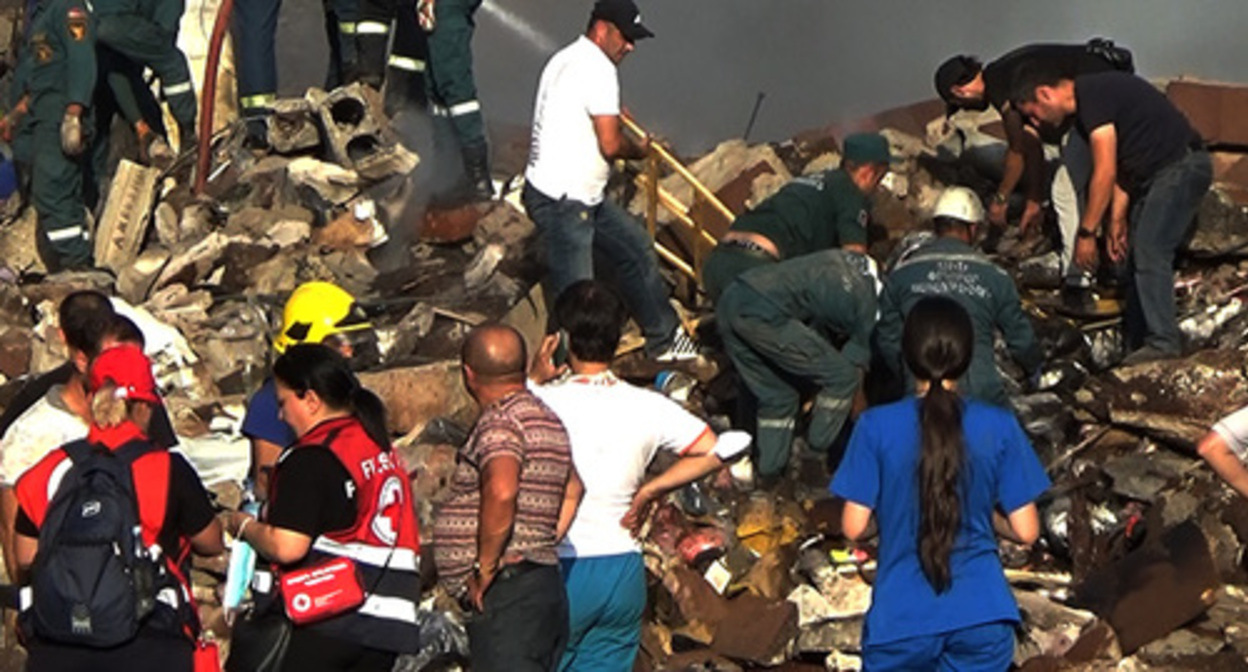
(961, 204)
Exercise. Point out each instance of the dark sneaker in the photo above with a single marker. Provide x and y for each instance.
(1148, 354)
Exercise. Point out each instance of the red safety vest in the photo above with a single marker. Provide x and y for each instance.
(384, 541)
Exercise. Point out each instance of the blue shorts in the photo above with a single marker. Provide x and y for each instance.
(606, 598)
(980, 648)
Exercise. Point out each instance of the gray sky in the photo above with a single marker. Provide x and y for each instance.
(821, 61)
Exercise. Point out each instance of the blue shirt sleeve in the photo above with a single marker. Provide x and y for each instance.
(1020, 476)
(264, 421)
(857, 479)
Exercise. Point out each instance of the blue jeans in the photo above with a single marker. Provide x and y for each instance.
(1160, 220)
(573, 231)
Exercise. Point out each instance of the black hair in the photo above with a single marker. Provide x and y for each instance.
(119, 329)
(942, 225)
(83, 316)
(593, 316)
(937, 340)
(312, 366)
(1033, 74)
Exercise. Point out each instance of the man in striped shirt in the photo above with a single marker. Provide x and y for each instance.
(513, 495)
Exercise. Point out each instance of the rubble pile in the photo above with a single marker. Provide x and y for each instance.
(1139, 565)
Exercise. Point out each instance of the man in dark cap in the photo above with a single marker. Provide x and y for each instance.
(966, 84)
(810, 214)
(576, 134)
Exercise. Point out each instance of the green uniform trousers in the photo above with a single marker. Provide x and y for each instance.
(776, 355)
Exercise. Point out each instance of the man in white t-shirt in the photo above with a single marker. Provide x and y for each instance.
(616, 429)
(576, 133)
(1226, 449)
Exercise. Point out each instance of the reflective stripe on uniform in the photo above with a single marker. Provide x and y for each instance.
(259, 100)
(406, 63)
(438, 111)
(372, 28)
(176, 89)
(346, 27)
(400, 559)
(467, 107)
(67, 233)
(776, 423)
(391, 608)
(831, 403)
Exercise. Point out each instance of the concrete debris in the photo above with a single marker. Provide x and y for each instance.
(123, 225)
(1139, 566)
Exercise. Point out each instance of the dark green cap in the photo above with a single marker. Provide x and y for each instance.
(867, 148)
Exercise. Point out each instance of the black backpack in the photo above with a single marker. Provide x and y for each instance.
(1119, 57)
(93, 581)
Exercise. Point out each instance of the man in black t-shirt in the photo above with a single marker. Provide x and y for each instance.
(1149, 172)
(963, 83)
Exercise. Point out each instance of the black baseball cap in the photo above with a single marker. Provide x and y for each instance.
(623, 14)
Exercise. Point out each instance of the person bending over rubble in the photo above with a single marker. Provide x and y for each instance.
(316, 312)
(966, 84)
(576, 133)
(340, 496)
(512, 496)
(948, 266)
(602, 564)
(174, 515)
(811, 213)
(776, 321)
(1226, 448)
(934, 469)
(1150, 171)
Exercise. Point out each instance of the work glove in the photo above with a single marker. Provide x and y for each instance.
(424, 14)
(71, 134)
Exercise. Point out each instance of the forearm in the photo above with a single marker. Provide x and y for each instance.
(1121, 204)
(685, 470)
(1013, 172)
(498, 515)
(1100, 190)
(1001, 525)
(572, 495)
(1225, 464)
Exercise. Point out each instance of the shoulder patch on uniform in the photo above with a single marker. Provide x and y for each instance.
(76, 22)
(862, 218)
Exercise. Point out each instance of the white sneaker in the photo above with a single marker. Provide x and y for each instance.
(683, 348)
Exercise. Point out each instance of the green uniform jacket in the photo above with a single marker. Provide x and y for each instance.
(831, 291)
(811, 213)
(61, 49)
(948, 267)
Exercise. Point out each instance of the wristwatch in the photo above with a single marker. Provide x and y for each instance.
(1084, 233)
(999, 198)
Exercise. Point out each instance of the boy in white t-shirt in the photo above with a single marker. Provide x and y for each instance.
(1226, 449)
(615, 429)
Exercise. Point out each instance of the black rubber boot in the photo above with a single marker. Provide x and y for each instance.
(477, 172)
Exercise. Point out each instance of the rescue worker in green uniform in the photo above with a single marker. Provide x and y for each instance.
(947, 265)
(458, 122)
(61, 81)
(811, 213)
(146, 32)
(777, 322)
(400, 63)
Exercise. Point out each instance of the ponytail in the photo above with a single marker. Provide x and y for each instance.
(940, 471)
(937, 342)
(371, 412)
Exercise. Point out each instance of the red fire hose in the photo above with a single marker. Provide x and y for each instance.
(208, 96)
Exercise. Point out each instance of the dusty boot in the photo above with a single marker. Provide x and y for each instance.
(188, 138)
(477, 172)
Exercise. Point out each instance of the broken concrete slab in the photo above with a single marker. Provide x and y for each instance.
(757, 630)
(292, 126)
(1221, 228)
(1173, 400)
(18, 246)
(1051, 629)
(416, 395)
(331, 182)
(136, 279)
(127, 212)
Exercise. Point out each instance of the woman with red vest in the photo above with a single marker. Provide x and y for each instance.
(173, 510)
(340, 492)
